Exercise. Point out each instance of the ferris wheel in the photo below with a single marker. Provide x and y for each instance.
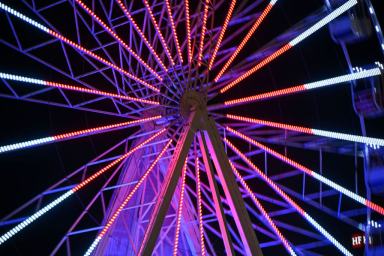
(209, 160)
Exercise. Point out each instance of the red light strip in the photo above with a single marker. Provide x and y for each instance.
(263, 211)
(180, 210)
(200, 207)
(203, 30)
(188, 24)
(73, 88)
(222, 32)
(118, 39)
(245, 40)
(137, 28)
(278, 190)
(126, 201)
(310, 86)
(311, 173)
(169, 10)
(331, 16)
(374, 142)
(162, 40)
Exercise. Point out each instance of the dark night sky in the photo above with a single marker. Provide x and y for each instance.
(26, 173)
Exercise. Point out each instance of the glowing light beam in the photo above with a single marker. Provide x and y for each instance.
(203, 30)
(200, 207)
(174, 32)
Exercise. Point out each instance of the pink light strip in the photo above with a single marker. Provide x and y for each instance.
(188, 24)
(222, 32)
(126, 201)
(169, 10)
(73, 88)
(263, 211)
(74, 45)
(312, 173)
(137, 28)
(71, 135)
(162, 40)
(245, 40)
(117, 38)
(180, 210)
(374, 142)
(331, 16)
(306, 87)
(70, 192)
(203, 30)
(275, 187)
(200, 207)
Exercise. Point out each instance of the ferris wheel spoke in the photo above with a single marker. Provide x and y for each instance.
(320, 24)
(72, 191)
(222, 33)
(141, 34)
(174, 32)
(72, 88)
(126, 201)
(248, 36)
(307, 87)
(374, 142)
(300, 210)
(188, 28)
(117, 38)
(73, 135)
(157, 28)
(199, 205)
(203, 31)
(271, 223)
(375, 207)
(74, 45)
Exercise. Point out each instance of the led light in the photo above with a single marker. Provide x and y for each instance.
(73, 88)
(309, 86)
(169, 10)
(263, 211)
(200, 207)
(117, 38)
(203, 30)
(222, 32)
(180, 210)
(162, 40)
(245, 40)
(68, 135)
(275, 187)
(74, 45)
(57, 201)
(311, 173)
(137, 28)
(187, 18)
(126, 201)
(328, 134)
(334, 14)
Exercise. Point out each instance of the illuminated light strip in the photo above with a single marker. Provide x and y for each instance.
(263, 211)
(245, 40)
(72, 88)
(137, 28)
(200, 207)
(203, 30)
(162, 40)
(188, 24)
(169, 10)
(126, 201)
(74, 45)
(180, 210)
(300, 210)
(310, 86)
(117, 38)
(334, 14)
(70, 192)
(334, 135)
(69, 135)
(311, 173)
(222, 32)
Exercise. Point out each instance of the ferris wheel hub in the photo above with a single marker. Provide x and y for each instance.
(192, 101)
